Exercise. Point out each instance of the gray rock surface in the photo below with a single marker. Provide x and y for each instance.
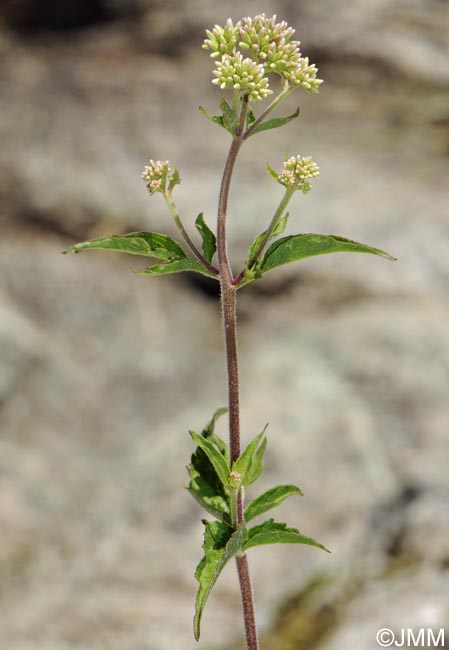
(103, 372)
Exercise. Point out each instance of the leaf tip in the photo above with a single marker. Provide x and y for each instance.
(196, 628)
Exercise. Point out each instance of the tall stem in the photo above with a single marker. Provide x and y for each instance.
(229, 313)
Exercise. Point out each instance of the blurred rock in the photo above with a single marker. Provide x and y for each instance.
(31, 17)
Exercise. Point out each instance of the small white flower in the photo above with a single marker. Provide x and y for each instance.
(155, 175)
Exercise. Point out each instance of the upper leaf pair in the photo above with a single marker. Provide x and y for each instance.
(157, 245)
(229, 120)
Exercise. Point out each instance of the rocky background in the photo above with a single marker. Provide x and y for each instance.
(103, 372)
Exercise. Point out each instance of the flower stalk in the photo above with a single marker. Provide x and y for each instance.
(177, 219)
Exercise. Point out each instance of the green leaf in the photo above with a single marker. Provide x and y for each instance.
(176, 266)
(152, 244)
(275, 123)
(217, 119)
(209, 432)
(209, 240)
(297, 247)
(251, 118)
(230, 117)
(216, 458)
(272, 172)
(280, 227)
(175, 180)
(256, 467)
(205, 485)
(220, 545)
(272, 532)
(269, 499)
(247, 463)
(210, 496)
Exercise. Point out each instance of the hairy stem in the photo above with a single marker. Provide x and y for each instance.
(171, 205)
(252, 642)
(228, 304)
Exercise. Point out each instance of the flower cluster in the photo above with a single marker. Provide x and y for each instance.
(269, 48)
(297, 172)
(242, 74)
(221, 40)
(155, 175)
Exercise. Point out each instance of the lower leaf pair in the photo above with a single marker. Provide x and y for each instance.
(214, 483)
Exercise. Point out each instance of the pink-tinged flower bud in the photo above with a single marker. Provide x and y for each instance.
(297, 173)
(157, 174)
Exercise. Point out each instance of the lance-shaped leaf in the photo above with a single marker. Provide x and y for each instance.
(297, 247)
(256, 467)
(177, 266)
(272, 532)
(205, 486)
(209, 240)
(216, 458)
(210, 496)
(152, 244)
(278, 230)
(269, 499)
(249, 463)
(250, 118)
(221, 543)
(217, 119)
(274, 123)
(174, 180)
(209, 432)
(230, 117)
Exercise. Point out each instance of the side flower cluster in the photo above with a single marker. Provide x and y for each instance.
(156, 175)
(268, 47)
(297, 173)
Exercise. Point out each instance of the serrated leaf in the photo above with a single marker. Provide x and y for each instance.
(297, 247)
(220, 545)
(269, 499)
(216, 458)
(177, 266)
(205, 486)
(230, 117)
(246, 463)
(209, 244)
(275, 122)
(272, 532)
(208, 496)
(217, 119)
(151, 244)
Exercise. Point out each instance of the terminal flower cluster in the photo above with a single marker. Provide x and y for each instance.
(242, 74)
(298, 172)
(155, 175)
(269, 48)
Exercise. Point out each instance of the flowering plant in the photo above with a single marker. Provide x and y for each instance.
(247, 54)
